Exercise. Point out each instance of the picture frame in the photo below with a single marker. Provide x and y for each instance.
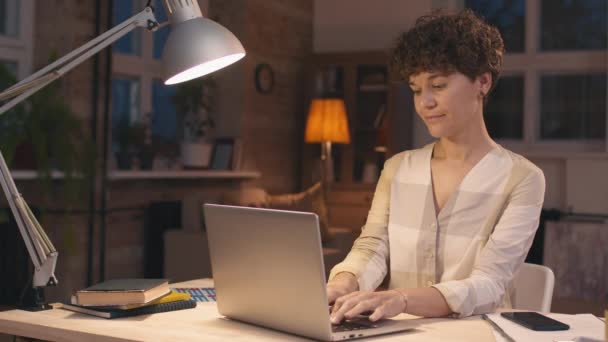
(237, 154)
(222, 155)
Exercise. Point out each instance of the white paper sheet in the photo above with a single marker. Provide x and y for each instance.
(582, 325)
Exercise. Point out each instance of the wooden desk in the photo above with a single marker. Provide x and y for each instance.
(202, 324)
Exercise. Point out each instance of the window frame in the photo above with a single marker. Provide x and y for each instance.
(131, 78)
(144, 66)
(515, 73)
(20, 49)
(533, 64)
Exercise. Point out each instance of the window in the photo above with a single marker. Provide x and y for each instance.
(16, 55)
(9, 18)
(161, 35)
(11, 67)
(125, 98)
(505, 108)
(164, 119)
(508, 16)
(573, 106)
(10, 120)
(553, 91)
(125, 109)
(573, 25)
(138, 94)
(17, 35)
(130, 44)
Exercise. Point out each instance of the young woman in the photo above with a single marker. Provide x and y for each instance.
(452, 222)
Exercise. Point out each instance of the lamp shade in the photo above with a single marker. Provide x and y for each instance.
(196, 45)
(327, 121)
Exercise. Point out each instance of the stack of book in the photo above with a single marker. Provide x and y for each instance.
(129, 297)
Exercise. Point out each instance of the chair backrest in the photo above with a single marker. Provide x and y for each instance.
(533, 285)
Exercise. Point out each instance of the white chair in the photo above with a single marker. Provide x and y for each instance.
(533, 287)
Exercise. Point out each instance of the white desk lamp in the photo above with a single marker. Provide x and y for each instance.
(196, 46)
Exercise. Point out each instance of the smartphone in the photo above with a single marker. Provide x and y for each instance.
(535, 321)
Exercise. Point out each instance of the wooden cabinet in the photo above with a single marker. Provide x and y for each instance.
(380, 113)
(349, 205)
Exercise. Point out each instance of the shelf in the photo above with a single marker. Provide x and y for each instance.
(183, 174)
(179, 174)
(32, 174)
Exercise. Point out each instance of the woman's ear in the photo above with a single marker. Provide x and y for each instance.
(485, 83)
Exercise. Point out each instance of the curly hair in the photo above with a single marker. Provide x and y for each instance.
(460, 42)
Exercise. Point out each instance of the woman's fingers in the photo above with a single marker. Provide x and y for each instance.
(346, 303)
(362, 306)
(341, 300)
(382, 305)
(338, 315)
(378, 314)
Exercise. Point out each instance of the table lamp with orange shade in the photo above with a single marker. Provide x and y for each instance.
(327, 123)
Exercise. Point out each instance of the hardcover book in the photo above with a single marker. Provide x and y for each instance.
(144, 310)
(123, 292)
(171, 297)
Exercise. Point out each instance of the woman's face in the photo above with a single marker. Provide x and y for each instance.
(451, 103)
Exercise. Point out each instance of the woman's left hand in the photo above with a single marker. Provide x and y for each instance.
(382, 304)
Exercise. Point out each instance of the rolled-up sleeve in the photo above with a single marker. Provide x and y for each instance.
(503, 253)
(368, 259)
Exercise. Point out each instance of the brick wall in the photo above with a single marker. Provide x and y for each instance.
(275, 32)
(278, 33)
(77, 27)
(68, 232)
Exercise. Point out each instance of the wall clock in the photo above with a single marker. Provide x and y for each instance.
(264, 78)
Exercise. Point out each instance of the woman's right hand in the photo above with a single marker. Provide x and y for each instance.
(341, 285)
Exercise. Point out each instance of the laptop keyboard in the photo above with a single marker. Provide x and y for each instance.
(354, 324)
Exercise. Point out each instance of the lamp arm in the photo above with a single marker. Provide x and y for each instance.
(39, 246)
(55, 70)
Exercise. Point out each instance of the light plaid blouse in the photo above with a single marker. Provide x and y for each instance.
(471, 250)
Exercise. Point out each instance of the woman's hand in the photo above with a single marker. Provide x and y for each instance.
(341, 285)
(383, 304)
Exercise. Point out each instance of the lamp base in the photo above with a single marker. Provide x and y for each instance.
(34, 300)
(40, 307)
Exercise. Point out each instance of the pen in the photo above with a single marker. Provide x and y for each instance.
(497, 328)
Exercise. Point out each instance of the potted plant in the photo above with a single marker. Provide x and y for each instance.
(123, 137)
(195, 101)
(134, 144)
(44, 131)
(141, 135)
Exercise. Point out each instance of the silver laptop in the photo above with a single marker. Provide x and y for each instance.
(268, 270)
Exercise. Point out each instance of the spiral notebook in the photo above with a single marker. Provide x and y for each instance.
(199, 294)
(144, 310)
